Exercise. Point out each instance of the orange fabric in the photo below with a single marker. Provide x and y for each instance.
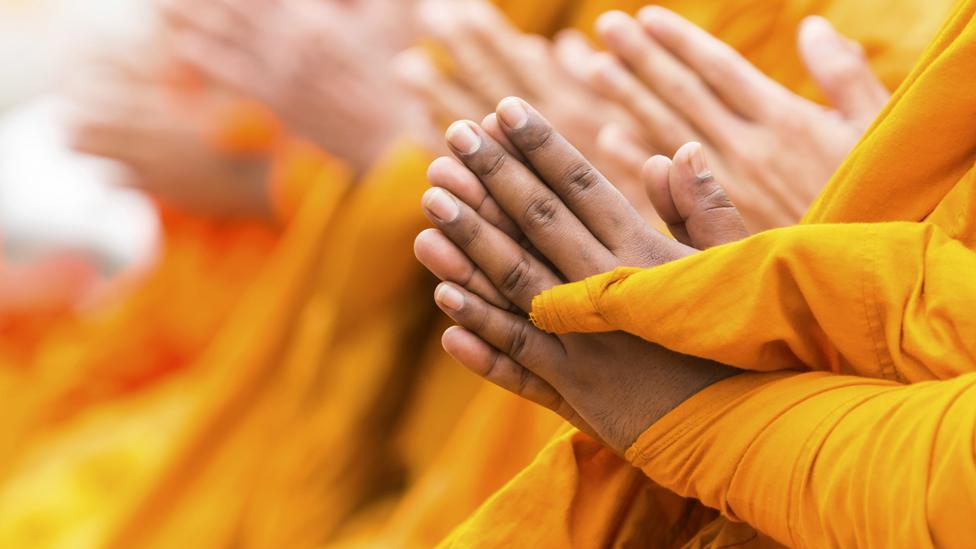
(786, 452)
(810, 458)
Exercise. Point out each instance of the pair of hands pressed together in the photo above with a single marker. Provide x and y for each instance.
(521, 210)
(158, 133)
(323, 66)
(663, 82)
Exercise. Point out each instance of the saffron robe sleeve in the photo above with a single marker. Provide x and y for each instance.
(884, 300)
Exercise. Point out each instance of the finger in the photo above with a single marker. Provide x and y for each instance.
(598, 205)
(661, 126)
(573, 52)
(840, 69)
(216, 61)
(523, 60)
(656, 175)
(474, 65)
(710, 217)
(447, 262)
(536, 209)
(740, 84)
(220, 19)
(513, 335)
(445, 99)
(672, 80)
(450, 174)
(487, 362)
(513, 270)
(621, 148)
(492, 128)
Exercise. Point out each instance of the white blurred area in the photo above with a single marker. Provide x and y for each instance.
(50, 197)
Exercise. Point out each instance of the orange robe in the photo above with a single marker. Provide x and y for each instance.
(876, 448)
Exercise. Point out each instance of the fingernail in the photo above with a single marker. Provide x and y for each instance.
(513, 113)
(698, 163)
(463, 138)
(449, 297)
(614, 25)
(441, 205)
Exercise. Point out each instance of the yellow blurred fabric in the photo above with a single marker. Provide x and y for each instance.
(872, 288)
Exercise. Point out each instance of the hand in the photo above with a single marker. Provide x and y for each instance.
(158, 134)
(773, 149)
(520, 181)
(313, 62)
(490, 59)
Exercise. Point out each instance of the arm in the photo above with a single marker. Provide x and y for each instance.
(812, 457)
(888, 300)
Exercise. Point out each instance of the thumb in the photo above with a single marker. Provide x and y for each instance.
(691, 201)
(842, 72)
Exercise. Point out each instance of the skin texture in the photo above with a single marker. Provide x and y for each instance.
(572, 223)
(157, 133)
(772, 149)
(323, 65)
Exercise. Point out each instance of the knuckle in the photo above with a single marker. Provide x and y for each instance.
(469, 234)
(492, 371)
(579, 179)
(518, 338)
(517, 277)
(522, 385)
(536, 136)
(679, 90)
(540, 213)
(715, 198)
(492, 164)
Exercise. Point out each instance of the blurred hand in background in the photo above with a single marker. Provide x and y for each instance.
(773, 149)
(127, 113)
(322, 66)
(479, 58)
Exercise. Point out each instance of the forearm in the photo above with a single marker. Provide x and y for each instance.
(877, 300)
(815, 456)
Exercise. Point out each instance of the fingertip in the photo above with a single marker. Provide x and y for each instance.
(571, 38)
(655, 17)
(468, 349)
(449, 297)
(513, 112)
(492, 127)
(423, 245)
(608, 22)
(450, 174)
(435, 17)
(656, 167)
(413, 67)
(463, 137)
(656, 175)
